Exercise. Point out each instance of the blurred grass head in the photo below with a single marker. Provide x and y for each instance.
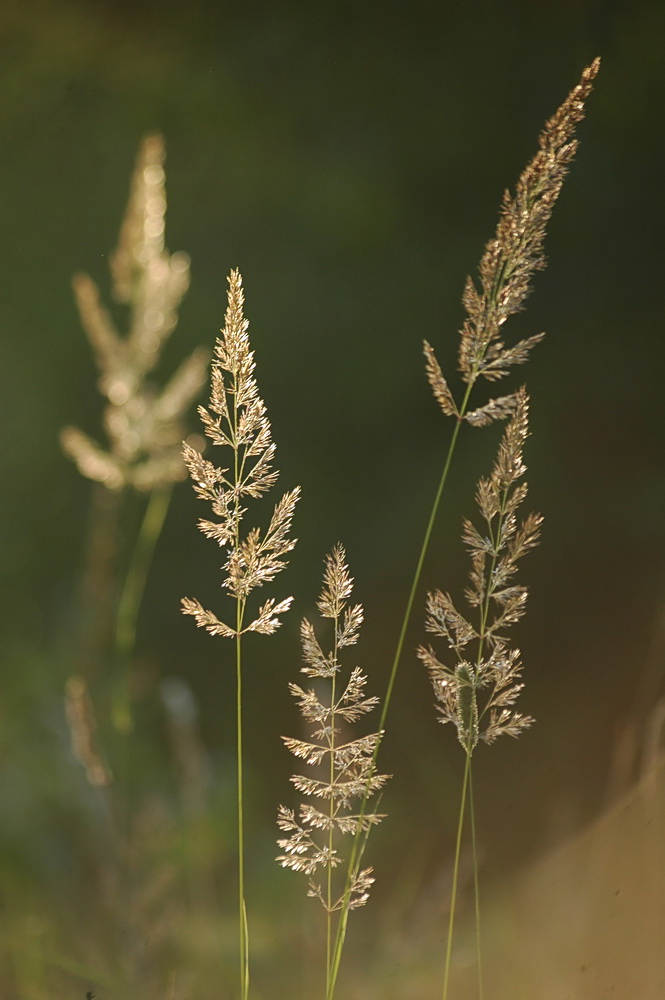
(144, 425)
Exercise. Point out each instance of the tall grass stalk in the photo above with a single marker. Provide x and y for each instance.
(131, 597)
(506, 270)
(466, 805)
(456, 861)
(478, 692)
(144, 426)
(236, 419)
(476, 884)
(347, 764)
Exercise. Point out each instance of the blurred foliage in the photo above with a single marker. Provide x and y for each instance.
(350, 159)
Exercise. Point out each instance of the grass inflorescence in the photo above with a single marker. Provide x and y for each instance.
(236, 420)
(473, 665)
(344, 766)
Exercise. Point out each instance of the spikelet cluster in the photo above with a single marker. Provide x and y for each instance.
(508, 264)
(236, 420)
(82, 725)
(144, 426)
(478, 691)
(346, 769)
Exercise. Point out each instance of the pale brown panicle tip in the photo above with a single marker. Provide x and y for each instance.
(144, 425)
(508, 264)
(346, 768)
(236, 419)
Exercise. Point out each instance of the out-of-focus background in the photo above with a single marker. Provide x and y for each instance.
(349, 158)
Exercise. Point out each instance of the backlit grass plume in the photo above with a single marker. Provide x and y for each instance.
(344, 767)
(236, 421)
(144, 425)
(506, 270)
(507, 267)
(477, 691)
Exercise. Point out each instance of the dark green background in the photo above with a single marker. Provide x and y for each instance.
(350, 159)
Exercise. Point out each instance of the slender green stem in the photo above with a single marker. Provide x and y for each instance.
(339, 946)
(131, 598)
(139, 567)
(243, 928)
(476, 883)
(358, 848)
(242, 911)
(98, 585)
(331, 816)
(484, 614)
(344, 916)
(421, 561)
(453, 891)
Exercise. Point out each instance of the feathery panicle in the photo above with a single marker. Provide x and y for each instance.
(495, 409)
(236, 419)
(476, 694)
(347, 769)
(516, 252)
(144, 427)
(83, 732)
(440, 387)
(508, 264)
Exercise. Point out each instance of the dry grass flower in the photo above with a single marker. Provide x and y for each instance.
(477, 693)
(144, 427)
(237, 420)
(506, 270)
(344, 767)
(507, 267)
(144, 424)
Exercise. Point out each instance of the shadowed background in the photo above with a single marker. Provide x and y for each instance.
(349, 158)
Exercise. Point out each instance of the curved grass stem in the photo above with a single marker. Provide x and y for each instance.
(242, 909)
(424, 548)
(131, 598)
(453, 891)
(358, 845)
(505, 272)
(331, 817)
(476, 884)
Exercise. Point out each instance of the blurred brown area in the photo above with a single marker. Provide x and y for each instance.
(584, 921)
(350, 159)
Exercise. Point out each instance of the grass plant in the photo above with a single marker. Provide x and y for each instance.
(505, 274)
(237, 420)
(345, 766)
(144, 426)
(506, 270)
(475, 690)
(477, 693)
(133, 474)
